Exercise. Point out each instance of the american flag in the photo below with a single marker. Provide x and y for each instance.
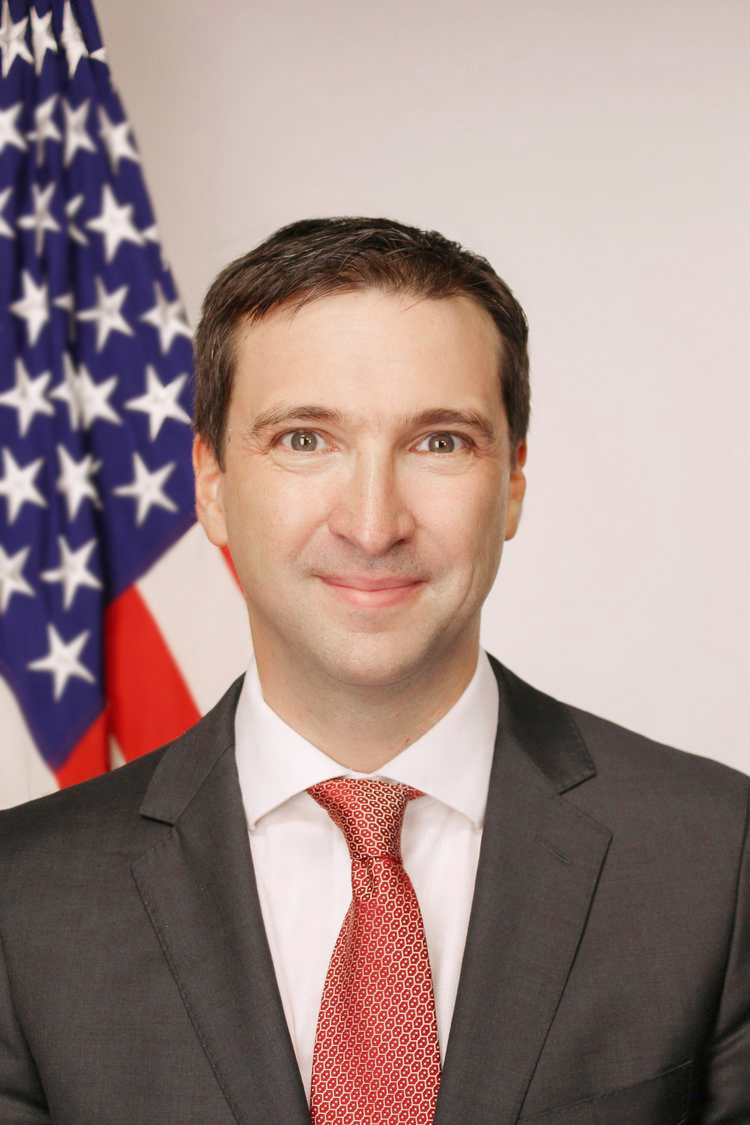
(102, 571)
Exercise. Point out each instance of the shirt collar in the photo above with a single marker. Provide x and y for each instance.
(450, 762)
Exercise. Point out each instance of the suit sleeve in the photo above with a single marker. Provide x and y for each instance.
(728, 1073)
(22, 1100)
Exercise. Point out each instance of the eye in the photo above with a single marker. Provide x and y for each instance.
(301, 441)
(442, 443)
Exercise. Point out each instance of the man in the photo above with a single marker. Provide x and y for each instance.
(568, 939)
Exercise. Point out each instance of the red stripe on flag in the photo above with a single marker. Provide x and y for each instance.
(230, 563)
(149, 700)
(89, 758)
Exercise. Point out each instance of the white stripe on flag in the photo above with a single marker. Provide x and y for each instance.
(23, 772)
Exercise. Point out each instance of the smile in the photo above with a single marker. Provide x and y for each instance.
(368, 593)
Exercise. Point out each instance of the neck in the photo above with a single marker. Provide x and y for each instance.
(362, 727)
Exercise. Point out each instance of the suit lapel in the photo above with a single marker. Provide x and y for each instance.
(198, 887)
(538, 869)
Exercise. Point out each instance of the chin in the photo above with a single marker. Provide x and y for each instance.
(368, 663)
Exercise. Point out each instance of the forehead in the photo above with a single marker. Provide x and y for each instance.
(372, 344)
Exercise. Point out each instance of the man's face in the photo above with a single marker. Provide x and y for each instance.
(368, 485)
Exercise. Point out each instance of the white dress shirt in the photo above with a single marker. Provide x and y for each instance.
(302, 863)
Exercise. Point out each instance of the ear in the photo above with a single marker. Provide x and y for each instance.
(516, 492)
(209, 499)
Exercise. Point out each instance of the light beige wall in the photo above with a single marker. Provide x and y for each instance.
(599, 153)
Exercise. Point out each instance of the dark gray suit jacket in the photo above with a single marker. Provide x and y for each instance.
(606, 977)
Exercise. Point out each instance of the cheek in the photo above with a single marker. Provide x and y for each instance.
(267, 525)
(483, 517)
(467, 518)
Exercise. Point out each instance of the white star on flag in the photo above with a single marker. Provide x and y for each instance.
(9, 135)
(72, 207)
(72, 571)
(13, 40)
(17, 485)
(147, 489)
(76, 135)
(5, 230)
(84, 398)
(116, 141)
(33, 306)
(45, 128)
(42, 38)
(93, 398)
(107, 313)
(115, 223)
(41, 219)
(160, 401)
(62, 660)
(27, 397)
(12, 580)
(167, 318)
(75, 480)
(67, 392)
(72, 39)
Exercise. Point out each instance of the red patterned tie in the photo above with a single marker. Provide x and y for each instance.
(376, 1059)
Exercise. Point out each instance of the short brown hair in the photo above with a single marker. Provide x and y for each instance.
(316, 257)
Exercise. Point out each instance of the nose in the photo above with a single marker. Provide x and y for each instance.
(369, 509)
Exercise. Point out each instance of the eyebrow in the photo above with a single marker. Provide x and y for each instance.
(280, 416)
(438, 416)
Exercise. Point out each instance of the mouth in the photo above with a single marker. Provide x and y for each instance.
(371, 593)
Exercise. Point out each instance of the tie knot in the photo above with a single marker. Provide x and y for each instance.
(369, 813)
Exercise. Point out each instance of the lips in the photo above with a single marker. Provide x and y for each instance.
(355, 582)
(371, 593)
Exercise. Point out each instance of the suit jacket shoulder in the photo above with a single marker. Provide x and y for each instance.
(108, 806)
(99, 884)
(570, 746)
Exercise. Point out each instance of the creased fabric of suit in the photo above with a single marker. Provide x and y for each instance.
(605, 981)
